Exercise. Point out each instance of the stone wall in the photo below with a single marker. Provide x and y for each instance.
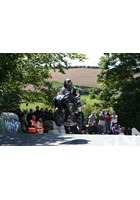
(9, 123)
(50, 127)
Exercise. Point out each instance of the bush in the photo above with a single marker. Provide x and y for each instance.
(88, 109)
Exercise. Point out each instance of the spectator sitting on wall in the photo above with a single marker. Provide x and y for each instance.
(119, 128)
(32, 125)
(129, 131)
(39, 126)
(94, 127)
(32, 122)
(100, 128)
(123, 131)
(90, 128)
(85, 128)
(115, 130)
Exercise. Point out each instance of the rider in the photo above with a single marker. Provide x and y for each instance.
(71, 90)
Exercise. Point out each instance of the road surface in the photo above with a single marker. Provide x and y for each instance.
(46, 139)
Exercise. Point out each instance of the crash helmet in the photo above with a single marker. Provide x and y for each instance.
(68, 83)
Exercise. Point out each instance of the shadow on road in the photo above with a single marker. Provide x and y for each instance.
(77, 141)
(31, 139)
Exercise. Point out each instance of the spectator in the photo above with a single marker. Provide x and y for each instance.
(32, 122)
(90, 129)
(39, 126)
(32, 125)
(123, 131)
(107, 121)
(24, 125)
(42, 114)
(19, 113)
(102, 121)
(100, 128)
(46, 112)
(50, 115)
(93, 128)
(114, 119)
(129, 131)
(37, 113)
(119, 128)
(85, 128)
(91, 118)
(29, 115)
(115, 130)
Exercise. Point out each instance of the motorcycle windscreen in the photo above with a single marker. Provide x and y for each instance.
(59, 97)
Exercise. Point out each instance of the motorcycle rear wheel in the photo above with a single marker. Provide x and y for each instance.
(77, 129)
(59, 117)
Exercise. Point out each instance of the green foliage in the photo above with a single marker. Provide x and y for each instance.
(89, 105)
(33, 105)
(91, 102)
(87, 109)
(86, 90)
(93, 95)
(18, 70)
(88, 99)
(120, 87)
(95, 91)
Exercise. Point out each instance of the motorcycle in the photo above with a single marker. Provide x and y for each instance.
(68, 112)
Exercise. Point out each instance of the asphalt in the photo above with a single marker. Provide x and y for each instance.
(53, 139)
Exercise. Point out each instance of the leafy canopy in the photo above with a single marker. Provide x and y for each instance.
(18, 70)
(120, 83)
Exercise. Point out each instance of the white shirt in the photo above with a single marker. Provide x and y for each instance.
(114, 119)
(91, 118)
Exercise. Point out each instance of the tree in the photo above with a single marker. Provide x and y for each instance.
(18, 70)
(121, 86)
